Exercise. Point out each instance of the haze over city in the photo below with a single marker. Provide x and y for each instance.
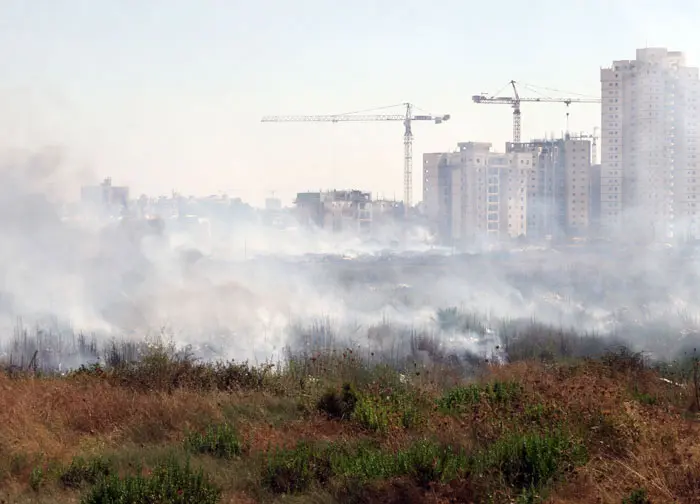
(168, 95)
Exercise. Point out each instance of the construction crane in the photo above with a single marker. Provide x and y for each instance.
(408, 117)
(514, 101)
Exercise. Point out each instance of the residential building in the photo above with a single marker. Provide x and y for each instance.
(594, 200)
(476, 194)
(650, 136)
(558, 186)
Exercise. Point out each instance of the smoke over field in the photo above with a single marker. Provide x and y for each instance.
(248, 291)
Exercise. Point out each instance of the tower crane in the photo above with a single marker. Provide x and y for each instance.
(407, 118)
(516, 99)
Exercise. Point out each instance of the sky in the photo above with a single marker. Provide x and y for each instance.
(166, 95)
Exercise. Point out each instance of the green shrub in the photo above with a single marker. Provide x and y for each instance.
(531, 460)
(169, 483)
(372, 414)
(336, 405)
(81, 472)
(638, 496)
(220, 441)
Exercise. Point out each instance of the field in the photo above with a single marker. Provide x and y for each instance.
(338, 425)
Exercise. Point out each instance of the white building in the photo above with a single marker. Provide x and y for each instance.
(649, 141)
(558, 186)
(475, 194)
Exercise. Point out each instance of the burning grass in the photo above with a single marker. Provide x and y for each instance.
(336, 427)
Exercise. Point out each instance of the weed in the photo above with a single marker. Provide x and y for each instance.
(36, 478)
(169, 482)
(85, 472)
(220, 441)
(638, 496)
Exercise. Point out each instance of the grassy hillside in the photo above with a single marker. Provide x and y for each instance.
(331, 427)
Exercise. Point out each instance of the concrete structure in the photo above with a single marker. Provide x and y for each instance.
(558, 186)
(594, 200)
(649, 141)
(335, 211)
(473, 193)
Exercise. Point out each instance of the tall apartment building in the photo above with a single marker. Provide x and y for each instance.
(558, 186)
(650, 136)
(473, 193)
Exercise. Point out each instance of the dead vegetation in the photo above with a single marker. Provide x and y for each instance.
(335, 427)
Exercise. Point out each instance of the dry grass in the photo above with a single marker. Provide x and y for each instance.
(635, 427)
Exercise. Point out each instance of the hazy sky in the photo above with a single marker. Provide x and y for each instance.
(168, 94)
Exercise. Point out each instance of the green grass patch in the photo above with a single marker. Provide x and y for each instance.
(463, 397)
(530, 461)
(219, 441)
(170, 482)
(307, 465)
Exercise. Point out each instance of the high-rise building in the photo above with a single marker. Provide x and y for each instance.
(649, 178)
(558, 186)
(473, 194)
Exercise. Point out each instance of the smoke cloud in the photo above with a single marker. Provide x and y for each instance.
(238, 289)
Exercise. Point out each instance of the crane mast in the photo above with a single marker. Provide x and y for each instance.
(515, 101)
(407, 118)
(408, 160)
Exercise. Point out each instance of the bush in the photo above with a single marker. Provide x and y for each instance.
(295, 470)
(169, 483)
(372, 414)
(428, 462)
(218, 441)
(338, 405)
(81, 472)
(531, 460)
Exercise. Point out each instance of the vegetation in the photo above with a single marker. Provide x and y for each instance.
(155, 425)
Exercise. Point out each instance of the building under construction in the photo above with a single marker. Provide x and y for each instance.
(539, 189)
(335, 211)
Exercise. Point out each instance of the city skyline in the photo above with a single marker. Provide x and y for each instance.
(164, 99)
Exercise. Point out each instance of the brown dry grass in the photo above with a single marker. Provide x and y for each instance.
(631, 444)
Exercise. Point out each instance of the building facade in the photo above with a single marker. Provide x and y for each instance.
(475, 194)
(649, 141)
(558, 186)
(335, 211)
